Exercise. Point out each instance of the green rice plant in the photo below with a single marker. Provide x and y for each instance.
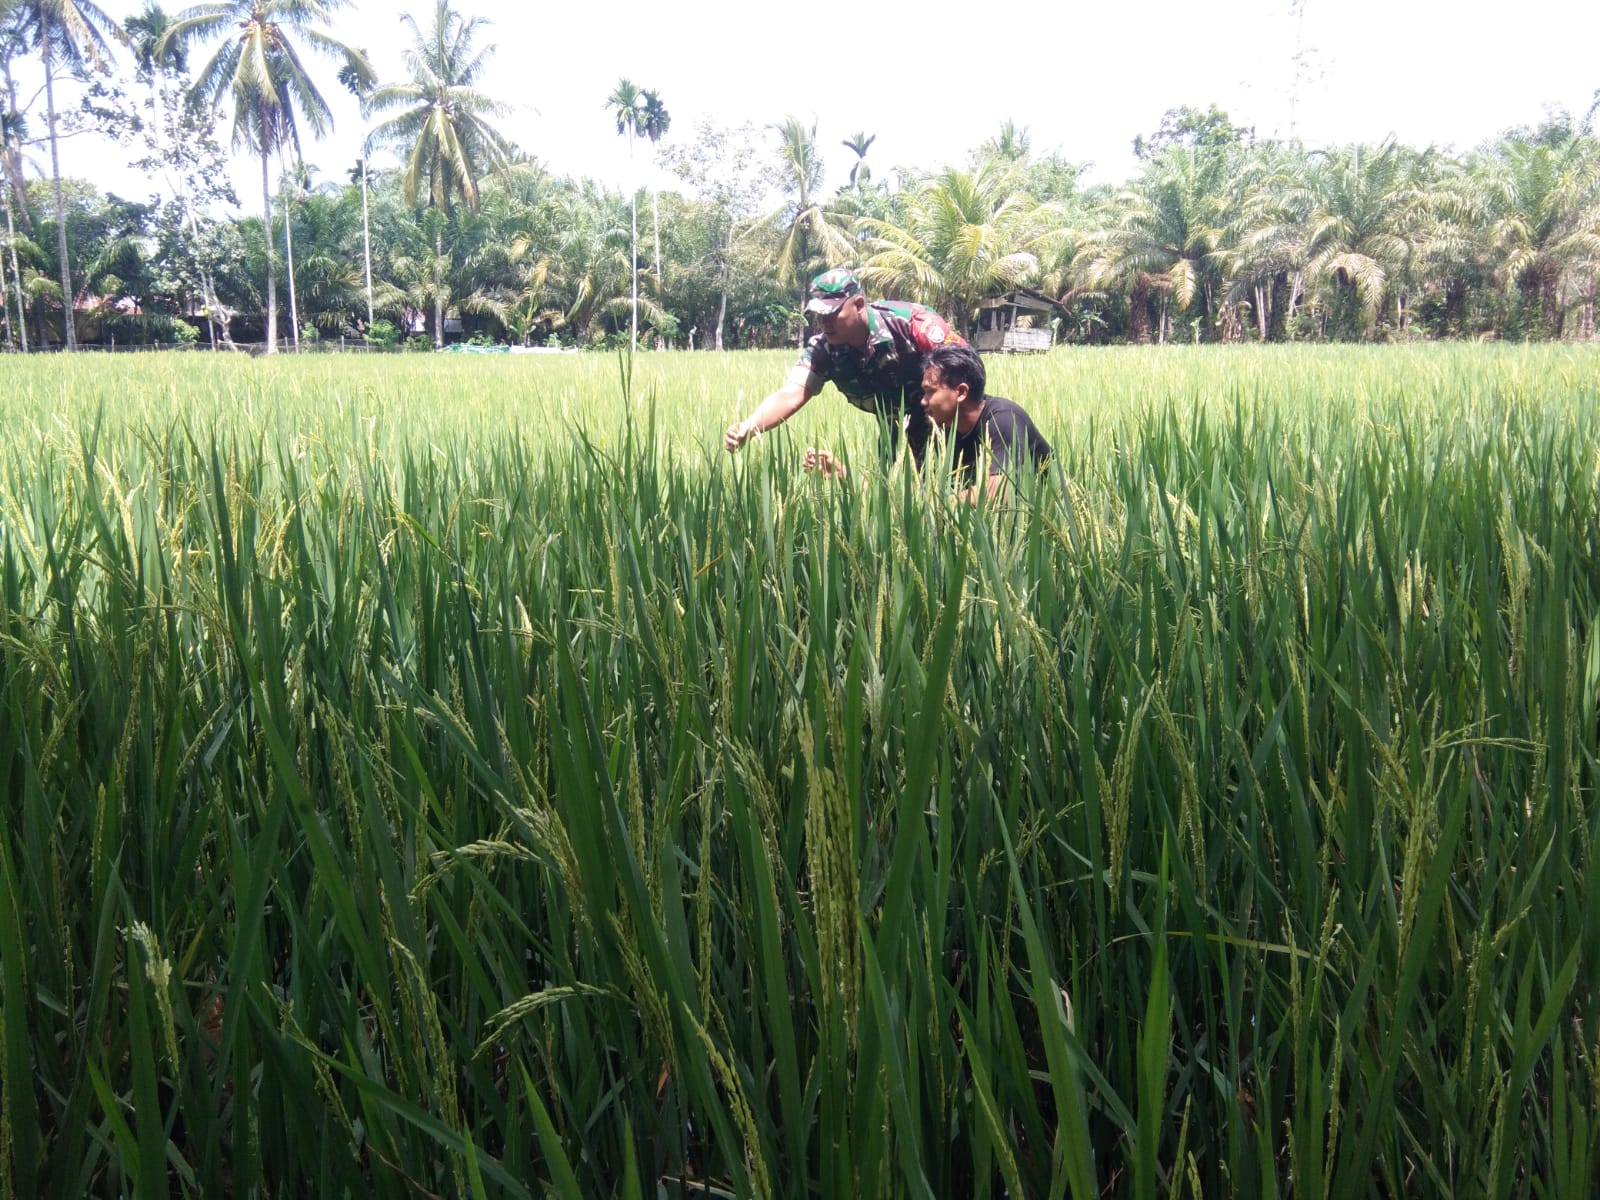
(462, 778)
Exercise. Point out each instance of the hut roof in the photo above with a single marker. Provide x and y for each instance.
(1025, 298)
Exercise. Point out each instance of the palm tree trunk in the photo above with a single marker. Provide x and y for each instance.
(1139, 311)
(633, 260)
(67, 306)
(438, 293)
(11, 152)
(5, 301)
(272, 277)
(16, 274)
(366, 235)
(722, 303)
(288, 242)
(655, 220)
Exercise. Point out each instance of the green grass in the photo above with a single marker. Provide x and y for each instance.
(463, 778)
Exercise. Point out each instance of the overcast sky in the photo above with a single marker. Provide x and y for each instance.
(934, 80)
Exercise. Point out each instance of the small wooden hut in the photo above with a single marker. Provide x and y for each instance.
(1018, 322)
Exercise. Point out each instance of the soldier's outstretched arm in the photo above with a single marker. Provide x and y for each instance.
(773, 411)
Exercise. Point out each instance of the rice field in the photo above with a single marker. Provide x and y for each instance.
(461, 778)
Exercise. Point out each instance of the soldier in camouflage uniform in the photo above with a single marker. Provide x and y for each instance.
(871, 352)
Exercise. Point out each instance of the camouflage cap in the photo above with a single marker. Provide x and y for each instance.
(831, 289)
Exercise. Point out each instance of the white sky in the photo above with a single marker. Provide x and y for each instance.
(935, 80)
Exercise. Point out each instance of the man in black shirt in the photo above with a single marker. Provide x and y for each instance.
(953, 382)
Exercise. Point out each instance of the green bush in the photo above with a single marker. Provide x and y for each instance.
(145, 329)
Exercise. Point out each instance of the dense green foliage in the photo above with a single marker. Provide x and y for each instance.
(403, 793)
(1220, 237)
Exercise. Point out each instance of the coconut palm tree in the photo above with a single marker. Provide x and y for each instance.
(13, 45)
(329, 278)
(966, 235)
(809, 234)
(258, 68)
(627, 103)
(361, 89)
(860, 173)
(72, 34)
(441, 123)
(11, 126)
(8, 273)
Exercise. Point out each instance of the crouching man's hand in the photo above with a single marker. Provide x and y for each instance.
(824, 464)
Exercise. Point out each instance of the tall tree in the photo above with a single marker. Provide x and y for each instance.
(71, 34)
(810, 234)
(258, 67)
(441, 122)
(860, 173)
(11, 125)
(1169, 230)
(626, 103)
(1267, 231)
(654, 125)
(1362, 229)
(362, 90)
(965, 236)
(1541, 214)
(13, 45)
(181, 145)
(7, 119)
(722, 168)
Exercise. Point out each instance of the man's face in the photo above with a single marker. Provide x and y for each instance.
(847, 324)
(939, 400)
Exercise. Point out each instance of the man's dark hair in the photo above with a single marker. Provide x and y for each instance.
(957, 365)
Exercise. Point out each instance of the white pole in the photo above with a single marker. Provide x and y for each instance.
(366, 234)
(633, 248)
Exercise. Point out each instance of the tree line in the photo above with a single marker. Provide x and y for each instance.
(1220, 236)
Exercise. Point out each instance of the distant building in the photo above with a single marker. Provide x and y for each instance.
(1018, 322)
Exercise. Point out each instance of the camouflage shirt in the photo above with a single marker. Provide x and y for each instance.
(886, 377)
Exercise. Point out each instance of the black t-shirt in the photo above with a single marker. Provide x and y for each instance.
(1012, 439)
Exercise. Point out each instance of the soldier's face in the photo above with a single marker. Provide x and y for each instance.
(939, 400)
(847, 324)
